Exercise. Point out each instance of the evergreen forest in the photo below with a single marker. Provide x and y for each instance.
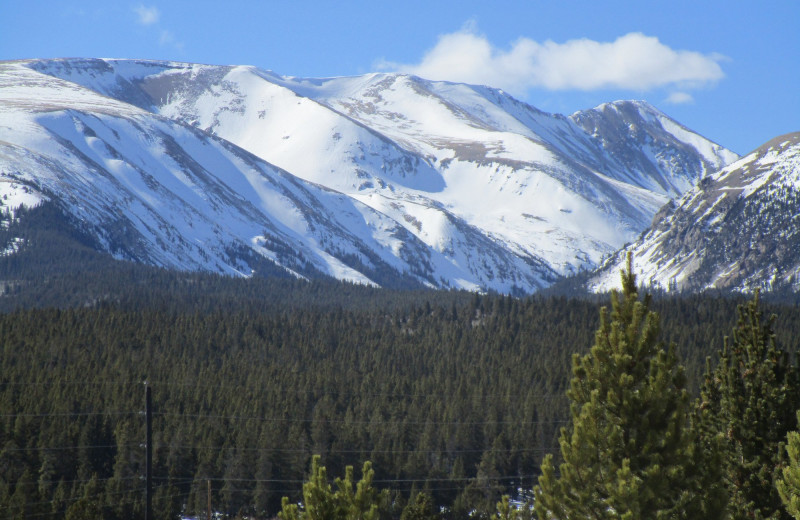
(447, 402)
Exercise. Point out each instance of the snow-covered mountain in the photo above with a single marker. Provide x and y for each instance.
(737, 230)
(383, 178)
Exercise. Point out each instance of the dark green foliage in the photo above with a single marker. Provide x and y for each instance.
(420, 507)
(750, 399)
(630, 451)
(345, 500)
(84, 509)
(457, 395)
(788, 483)
(508, 511)
(436, 396)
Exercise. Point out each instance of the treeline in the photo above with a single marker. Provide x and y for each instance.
(55, 264)
(460, 400)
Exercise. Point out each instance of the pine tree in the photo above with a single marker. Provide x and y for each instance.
(24, 495)
(84, 509)
(508, 511)
(630, 450)
(789, 484)
(750, 399)
(420, 507)
(322, 502)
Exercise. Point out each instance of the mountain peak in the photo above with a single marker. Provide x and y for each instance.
(628, 105)
(635, 132)
(388, 179)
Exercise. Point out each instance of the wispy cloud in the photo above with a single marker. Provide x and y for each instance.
(679, 98)
(167, 38)
(632, 62)
(151, 16)
(147, 15)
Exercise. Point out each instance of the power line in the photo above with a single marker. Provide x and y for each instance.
(66, 448)
(82, 481)
(64, 414)
(365, 450)
(281, 419)
(344, 421)
(403, 395)
(375, 481)
(167, 445)
(299, 489)
(68, 383)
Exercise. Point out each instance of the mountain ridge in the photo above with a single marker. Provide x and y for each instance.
(476, 199)
(736, 230)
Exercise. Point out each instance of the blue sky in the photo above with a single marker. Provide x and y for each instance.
(729, 70)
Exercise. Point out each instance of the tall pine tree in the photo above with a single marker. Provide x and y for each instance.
(750, 399)
(789, 482)
(630, 452)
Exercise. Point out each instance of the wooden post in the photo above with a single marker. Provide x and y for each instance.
(208, 510)
(148, 508)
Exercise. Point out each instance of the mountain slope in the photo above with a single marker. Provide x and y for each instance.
(381, 178)
(738, 229)
(651, 150)
(534, 179)
(163, 193)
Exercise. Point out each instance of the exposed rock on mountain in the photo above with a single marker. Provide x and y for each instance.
(383, 178)
(738, 229)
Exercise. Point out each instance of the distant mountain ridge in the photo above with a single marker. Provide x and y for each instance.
(738, 229)
(385, 179)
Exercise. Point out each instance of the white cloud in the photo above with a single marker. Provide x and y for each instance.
(632, 62)
(147, 15)
(680, 98)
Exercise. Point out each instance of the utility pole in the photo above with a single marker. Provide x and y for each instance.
(148, 507)
(208, 510)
